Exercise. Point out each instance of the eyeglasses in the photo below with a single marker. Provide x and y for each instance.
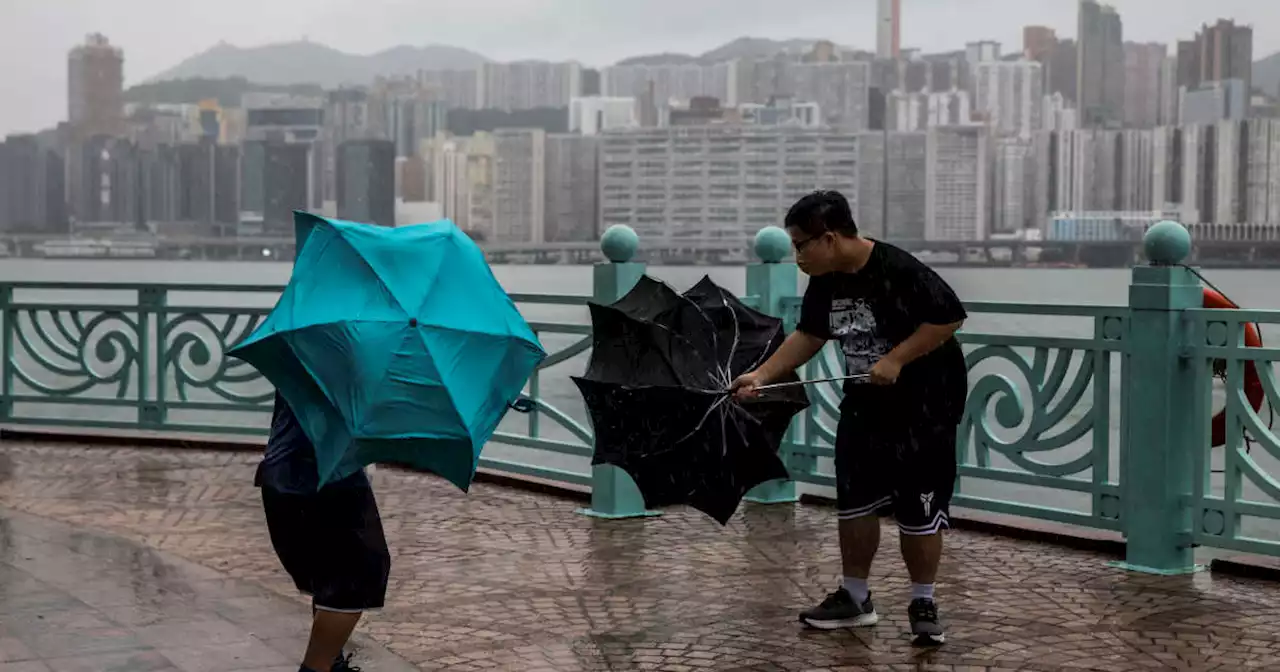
(801, 244)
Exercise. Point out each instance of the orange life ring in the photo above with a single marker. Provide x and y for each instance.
(1252, 383)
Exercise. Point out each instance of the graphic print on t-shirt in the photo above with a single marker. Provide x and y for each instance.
(854, 325)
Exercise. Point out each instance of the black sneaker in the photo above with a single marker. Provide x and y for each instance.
(343, 664)
(839, 611)
(923, 614)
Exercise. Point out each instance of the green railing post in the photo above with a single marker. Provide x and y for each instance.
(770, 281)
(1156, 455)
(613, 493)
(7, 327)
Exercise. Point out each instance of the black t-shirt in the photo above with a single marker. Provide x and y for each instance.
(872, 311)
(289, 464)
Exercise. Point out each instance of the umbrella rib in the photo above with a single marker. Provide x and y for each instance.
(715, 337)
(733, 350)
(718, 402)
(381, 281)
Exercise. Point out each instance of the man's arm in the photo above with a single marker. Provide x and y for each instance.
(794, 352)
(926, 339)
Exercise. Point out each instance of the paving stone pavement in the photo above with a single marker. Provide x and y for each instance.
(79, 601)
(503, 579)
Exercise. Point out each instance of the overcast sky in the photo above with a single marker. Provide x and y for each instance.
(156, 34)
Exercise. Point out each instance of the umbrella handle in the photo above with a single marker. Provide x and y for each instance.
(522, 405)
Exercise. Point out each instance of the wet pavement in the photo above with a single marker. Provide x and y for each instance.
(79, 601)
(163, 556)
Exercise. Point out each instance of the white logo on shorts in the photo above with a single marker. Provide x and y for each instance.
(927, 500)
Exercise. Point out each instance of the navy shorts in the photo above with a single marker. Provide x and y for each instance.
(895, 460)
(331, 543)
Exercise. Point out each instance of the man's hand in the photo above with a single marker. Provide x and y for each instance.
(744, 386)
(885, 371)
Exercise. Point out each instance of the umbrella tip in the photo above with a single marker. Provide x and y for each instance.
(413, 322)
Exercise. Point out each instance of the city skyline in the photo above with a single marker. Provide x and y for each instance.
(37, 37)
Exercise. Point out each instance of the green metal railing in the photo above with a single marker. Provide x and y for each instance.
(1097, 416)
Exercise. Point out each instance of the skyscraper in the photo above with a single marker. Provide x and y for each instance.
(95, 88)
(573, 179)
(366, 182)
(520, 185)
(957, 183)
(1218, 52)
(1010, 94)
(1144, 92)
(1100, 69)
(889, 29)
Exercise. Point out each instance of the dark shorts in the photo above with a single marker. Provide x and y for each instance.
(891, 461)
(331, 543)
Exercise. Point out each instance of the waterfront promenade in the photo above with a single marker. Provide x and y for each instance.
(155, 560)
(1148, 422)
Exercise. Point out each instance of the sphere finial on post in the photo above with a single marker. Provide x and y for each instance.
(1166, 243)
(619, 243)
(772, 245)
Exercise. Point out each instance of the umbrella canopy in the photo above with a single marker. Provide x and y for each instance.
(393, 345)
(655, 388)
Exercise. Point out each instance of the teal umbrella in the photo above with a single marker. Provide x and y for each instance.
(393, 345)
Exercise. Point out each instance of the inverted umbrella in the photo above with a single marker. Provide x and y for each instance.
(656, 390)
(393, 345)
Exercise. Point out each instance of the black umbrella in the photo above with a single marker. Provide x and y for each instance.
(656, 389)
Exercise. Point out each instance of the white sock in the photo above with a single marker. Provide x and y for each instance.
(857, 588)
(922, 591)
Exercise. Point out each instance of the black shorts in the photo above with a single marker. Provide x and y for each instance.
(332, 544)
(896, 461)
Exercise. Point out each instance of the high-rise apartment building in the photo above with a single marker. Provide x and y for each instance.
(721, 182)
(888, 28)
(841, 90)
(366, 182)
(284, 119)
(594, 114)
(1262, 179)
(982, 52)
(1009, 96)
(527, 85)
(457, 89)
(32, 185)
(678, 82)
(520, 185)
(1038, 43)
(919, 111)
(957, 183)
(573, 188)
(1100, 65)
(1013, 192)
(95, 88)
(462, 180)
(1146, 92)
(891, 185)
(1219, 52)
(405, 112)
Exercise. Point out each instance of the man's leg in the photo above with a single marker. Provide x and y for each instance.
(860, 497)
(330, 631)
(925, 482)
(352, 565)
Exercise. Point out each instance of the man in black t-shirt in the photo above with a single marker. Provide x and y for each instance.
(329, 539)
(895, 321)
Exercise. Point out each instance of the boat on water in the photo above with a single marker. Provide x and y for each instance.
(95, 248)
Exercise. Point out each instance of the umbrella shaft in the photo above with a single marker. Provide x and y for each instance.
(775, 386)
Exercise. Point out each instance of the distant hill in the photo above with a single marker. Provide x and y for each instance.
(309, 62)
(227, 91)
(743, 47)
(1266, 74)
